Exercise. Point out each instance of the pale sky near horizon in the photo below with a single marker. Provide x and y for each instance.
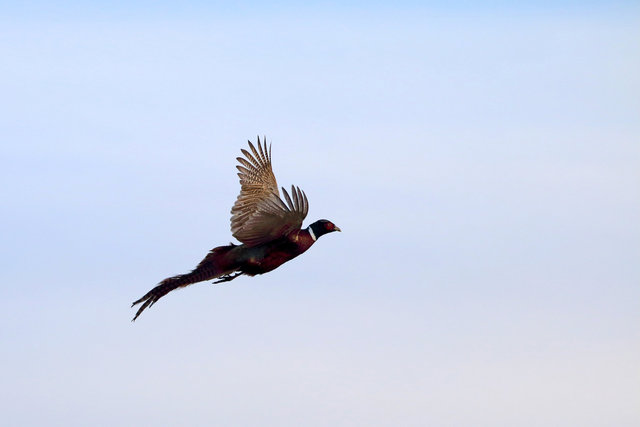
(482, 162)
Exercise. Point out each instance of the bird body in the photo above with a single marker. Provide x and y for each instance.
(269, 229)
(271, 255)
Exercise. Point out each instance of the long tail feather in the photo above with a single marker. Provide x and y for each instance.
(214, 265)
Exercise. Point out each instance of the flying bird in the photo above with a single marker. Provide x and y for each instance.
(269, 229)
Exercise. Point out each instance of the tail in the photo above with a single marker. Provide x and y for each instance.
(215, 264)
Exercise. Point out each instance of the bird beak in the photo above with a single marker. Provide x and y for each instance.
(336, 229)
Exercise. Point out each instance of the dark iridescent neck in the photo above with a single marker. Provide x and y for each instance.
(316, 230)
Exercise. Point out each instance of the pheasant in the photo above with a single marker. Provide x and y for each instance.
(269, 229)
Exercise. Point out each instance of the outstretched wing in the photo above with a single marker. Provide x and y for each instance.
(259, 215)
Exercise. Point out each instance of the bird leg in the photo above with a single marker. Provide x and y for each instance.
(227, 277)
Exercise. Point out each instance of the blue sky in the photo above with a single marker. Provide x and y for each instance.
(482, 163)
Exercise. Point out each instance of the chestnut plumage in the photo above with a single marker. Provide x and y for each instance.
(268, 227)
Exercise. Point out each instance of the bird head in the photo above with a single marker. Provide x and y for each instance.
(323, 226)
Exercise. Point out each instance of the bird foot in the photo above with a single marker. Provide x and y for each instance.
(227, 278)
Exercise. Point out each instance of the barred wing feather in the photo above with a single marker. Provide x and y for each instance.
(259, 215)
